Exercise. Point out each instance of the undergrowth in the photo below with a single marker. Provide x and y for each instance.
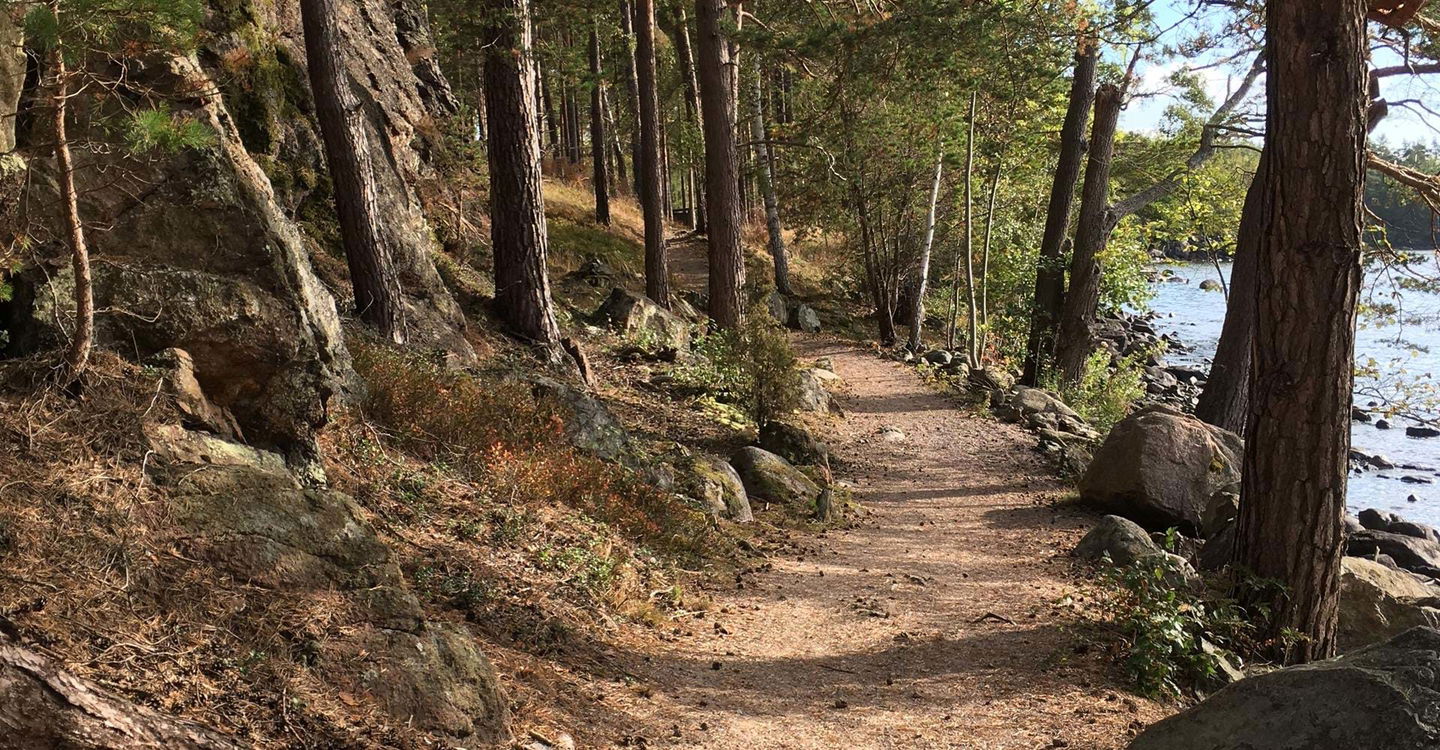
(751, 368)
(1176, 633)
(1107, 391)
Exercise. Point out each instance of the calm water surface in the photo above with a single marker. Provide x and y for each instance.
(1196, 316)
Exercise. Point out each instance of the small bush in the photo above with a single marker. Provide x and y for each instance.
(1105, 394)
(751, 367)
(1167, 627)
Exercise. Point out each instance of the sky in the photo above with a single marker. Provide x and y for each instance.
(1155, 93)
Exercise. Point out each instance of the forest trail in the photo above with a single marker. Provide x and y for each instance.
(933, 623)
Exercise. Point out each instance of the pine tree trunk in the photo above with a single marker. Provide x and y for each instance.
(765, 173)
(1091, 232)
(657, 274)
(600, 174)
(1050, 270)
(552, 125)
(922, 273)
(727, 262)
(347, 152)
(1225, 401)
(1298, 440)
(632, 87)
(77, 358)
(685, 58)
(517, 210)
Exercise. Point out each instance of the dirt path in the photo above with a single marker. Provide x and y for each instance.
(933, 624)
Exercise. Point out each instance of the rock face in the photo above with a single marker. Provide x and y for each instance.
(1160, 467)
(1383, 697)
(772, 478)
(793, 443)
(638, 317)
(589, 425)
(1377, 602)
(201, 251)
(263, 529)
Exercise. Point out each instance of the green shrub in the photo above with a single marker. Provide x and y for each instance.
(751, 367)
(1167, 628)
(1104, 394)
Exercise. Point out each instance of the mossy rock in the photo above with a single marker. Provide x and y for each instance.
(769, 477)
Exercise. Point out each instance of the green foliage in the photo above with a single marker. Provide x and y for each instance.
(132, 28)
(1105, 393)
(751, 367)
(1167, 627)
(161, 130)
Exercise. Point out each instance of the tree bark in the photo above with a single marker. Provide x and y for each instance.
(652, 204)
(686, 59)
(517, 207)
(922, 273)
(1050, 269)
(347, 154)
(1225, 401)
(600, 174)
(1093, 227)
(727, 262)
(45, 706)
(1297, 451)
(632, 87)
(765, 175)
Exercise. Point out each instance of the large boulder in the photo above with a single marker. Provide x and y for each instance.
(1383, 697)
(793, 442)
(643, 320)
(1160, 467)
(1023, 402)
(814, 396)
(589, 425)
(770, 477)
(1377, 602)
(1120, 538)
(803, 317)
(263, 529)
(1409, 552)
(716, 484)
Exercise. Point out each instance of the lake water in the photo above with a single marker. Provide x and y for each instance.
(1196, 316)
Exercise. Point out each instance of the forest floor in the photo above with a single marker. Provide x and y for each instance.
(945, 617)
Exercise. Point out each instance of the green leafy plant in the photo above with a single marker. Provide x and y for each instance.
(751, 367)
(1175, 636)
(1106, 393)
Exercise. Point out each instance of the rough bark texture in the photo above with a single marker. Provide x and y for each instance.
(12, 70)
(347, 152)
(1093, 227)
(44, 706)
(1225, 402)
(722, 186)
(1050, 272)
(765, 176)
(1296, 457)
(517, 210)
(649, 166)
(600, 176)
